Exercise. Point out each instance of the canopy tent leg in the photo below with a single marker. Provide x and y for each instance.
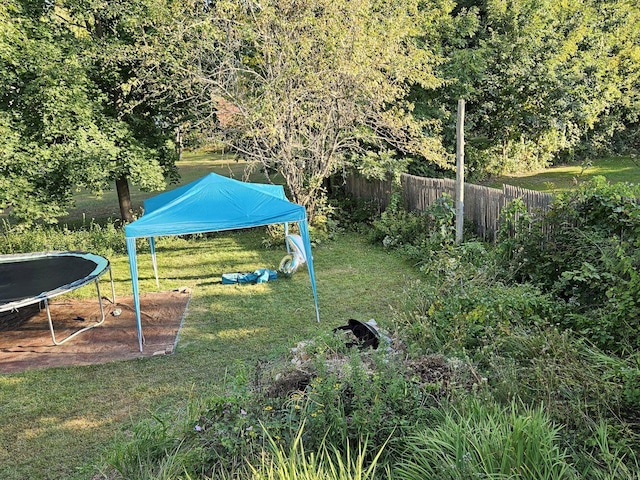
(286, 232)
(133, 266)
(304, 233)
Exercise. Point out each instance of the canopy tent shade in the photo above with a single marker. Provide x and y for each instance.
(209, 204)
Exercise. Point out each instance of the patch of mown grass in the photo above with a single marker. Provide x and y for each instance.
(565, 177)
(57, 422)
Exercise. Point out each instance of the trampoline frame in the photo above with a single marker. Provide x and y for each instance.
(102, 266)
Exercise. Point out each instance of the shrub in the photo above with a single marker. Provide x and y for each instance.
(452, 317)
(348, 398)
(509, 334)
(352, 396)
(584, 252)
(417, 232)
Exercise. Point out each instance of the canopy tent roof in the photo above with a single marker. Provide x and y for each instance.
(214, 203)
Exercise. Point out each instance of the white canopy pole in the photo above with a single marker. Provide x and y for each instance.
(152, 245)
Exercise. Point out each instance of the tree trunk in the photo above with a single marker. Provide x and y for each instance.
(124, 198)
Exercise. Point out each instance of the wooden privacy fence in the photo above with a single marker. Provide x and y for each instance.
(482, 205)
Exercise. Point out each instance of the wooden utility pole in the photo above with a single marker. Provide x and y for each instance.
(460, 171)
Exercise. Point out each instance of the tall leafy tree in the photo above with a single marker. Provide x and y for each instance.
(71, 113)
(308, 87)
(542, 79)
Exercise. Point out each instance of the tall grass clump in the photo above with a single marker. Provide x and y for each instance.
(325, 463)
(482, 440)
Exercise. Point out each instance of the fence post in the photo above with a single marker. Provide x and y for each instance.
(460, 171)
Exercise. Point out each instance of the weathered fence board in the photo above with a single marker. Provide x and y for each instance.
(482, 205)
(376, 191)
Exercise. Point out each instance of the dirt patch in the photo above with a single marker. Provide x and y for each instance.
(288, 383)
(430, 369)
(26, 343)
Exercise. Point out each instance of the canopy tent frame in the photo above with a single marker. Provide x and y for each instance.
(211, 204)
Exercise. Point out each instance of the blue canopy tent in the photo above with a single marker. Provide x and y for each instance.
(213, 203)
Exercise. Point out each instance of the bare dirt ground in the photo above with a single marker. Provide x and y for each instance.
(26, 343)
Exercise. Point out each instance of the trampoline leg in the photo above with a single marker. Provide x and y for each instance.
(113, 290)
(53, 335)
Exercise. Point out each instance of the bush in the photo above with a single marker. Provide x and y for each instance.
(352, 396)
(584, 252)
(417, 232)
(509, 334)
(453, 317)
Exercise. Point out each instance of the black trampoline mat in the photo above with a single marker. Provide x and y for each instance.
(23, 279)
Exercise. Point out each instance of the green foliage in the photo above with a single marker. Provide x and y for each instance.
(364, 395)
(103, 239)
(483, 440)
(365, 399)
(335, 95)
(608, 459)
(417, 232)
(543, 81)
(625, 371)
(584, 251)
(228, 432)
(459, 308)
(69, 117)
(509, 334)
(354, 214)
(214, 436)
(548, 366)
(153, 452)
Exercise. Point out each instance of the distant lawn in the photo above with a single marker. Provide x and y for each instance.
(562, 178)
(192, 166)
(198, 163)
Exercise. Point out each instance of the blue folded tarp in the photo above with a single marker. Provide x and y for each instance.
(262, 275)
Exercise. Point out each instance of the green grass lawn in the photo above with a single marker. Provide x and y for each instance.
(562, 178)
(56, 423)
